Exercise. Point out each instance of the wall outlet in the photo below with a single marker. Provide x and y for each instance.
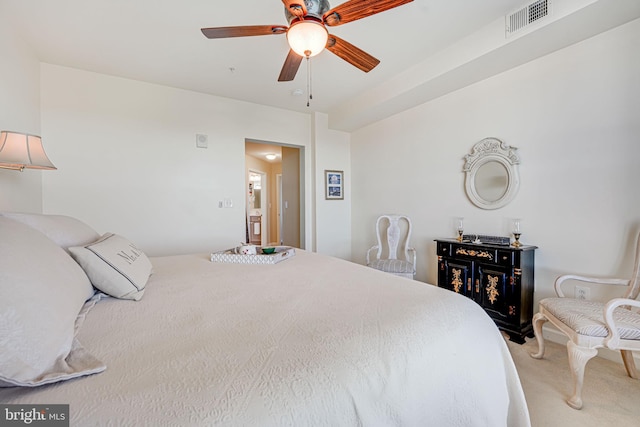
(582, 292)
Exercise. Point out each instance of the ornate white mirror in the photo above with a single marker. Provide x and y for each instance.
(491, 170)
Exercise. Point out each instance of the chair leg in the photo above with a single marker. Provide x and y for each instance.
(578, 358)
(629, 364)
(538, 321)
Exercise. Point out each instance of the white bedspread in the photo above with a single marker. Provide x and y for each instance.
(311, 341)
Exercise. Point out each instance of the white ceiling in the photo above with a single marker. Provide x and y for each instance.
(159, 41)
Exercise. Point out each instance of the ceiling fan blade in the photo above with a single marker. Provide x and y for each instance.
(353, 55)
(290, 67)
(243, 31)
(353, 10)
(295, 7)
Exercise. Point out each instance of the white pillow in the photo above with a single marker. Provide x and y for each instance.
(65, 231)
(115, 266)
(42, 291)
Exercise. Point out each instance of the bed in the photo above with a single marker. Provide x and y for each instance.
(309, 341)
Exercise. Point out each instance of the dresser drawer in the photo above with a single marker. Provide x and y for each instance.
(487, 255)
(505, 258)
(444, 249)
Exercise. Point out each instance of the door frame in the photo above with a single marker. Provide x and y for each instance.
(279, 238)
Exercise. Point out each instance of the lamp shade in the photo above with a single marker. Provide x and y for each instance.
(21, 150)
(307, 38)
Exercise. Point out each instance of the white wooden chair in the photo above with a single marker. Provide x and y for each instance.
(392, 253)
(591, 325)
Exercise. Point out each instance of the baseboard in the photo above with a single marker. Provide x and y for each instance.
(552, 334)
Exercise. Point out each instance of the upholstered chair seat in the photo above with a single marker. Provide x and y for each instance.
(587, 317)
(394, 266)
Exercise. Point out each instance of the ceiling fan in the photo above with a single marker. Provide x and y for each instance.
(307, 33)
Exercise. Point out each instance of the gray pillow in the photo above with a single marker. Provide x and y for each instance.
(65, 231)
(42, 291)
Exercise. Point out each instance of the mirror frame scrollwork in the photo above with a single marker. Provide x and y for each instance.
(485, 151)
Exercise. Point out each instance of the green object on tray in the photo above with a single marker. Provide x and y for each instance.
(268, 250)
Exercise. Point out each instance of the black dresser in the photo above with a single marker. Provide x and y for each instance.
(498, 277)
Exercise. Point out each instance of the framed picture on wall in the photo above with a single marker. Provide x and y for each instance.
(333, 185)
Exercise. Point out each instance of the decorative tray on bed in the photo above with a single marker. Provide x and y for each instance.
(229, 255)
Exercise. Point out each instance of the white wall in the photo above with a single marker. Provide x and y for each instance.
(333, 217)
(128, 163)
(19, 112)
(574, 116)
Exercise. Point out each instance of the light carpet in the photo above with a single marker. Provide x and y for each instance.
(609, 396)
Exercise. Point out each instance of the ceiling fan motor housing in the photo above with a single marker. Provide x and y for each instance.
(315, 8)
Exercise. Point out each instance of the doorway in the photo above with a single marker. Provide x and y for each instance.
(279, 209)
(281, 192)
(257, 208)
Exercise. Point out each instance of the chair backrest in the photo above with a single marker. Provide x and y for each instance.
(634, 282)
(393, 233)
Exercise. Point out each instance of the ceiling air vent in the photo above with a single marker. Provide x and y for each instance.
(527, 15)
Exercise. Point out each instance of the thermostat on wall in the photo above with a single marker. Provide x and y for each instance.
(202, 141)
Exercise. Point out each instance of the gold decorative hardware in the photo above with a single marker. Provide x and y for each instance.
(517, 271)
(474, 253)
(492, 288)
(512, 310)
(477, 286)
(469, 284)
(456, 282)
(512, 280)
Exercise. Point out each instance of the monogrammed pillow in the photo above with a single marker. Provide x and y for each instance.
(42, 292)
(115, 266)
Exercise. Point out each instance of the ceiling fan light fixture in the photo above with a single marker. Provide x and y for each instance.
(307, 37)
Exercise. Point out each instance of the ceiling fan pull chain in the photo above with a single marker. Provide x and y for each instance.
(309, 94)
